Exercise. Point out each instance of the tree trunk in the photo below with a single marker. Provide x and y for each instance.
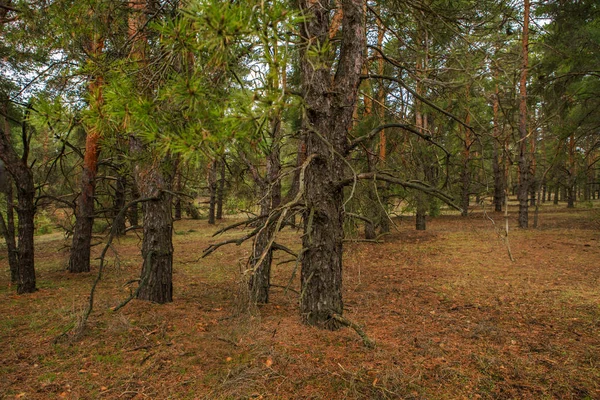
(523, 192)
(212, 189)
(79, 260)
(153, 175)
(119, 203)
(154, 182)
(8, 231)
(571, 195)
(178, 188)
(421, 214)
(262, 254)
(26, 214)
(544, 192)
(19, 170)
(497, 171)
(221, 189)
(329, 104)
(556, 191)
(133, 214)
(156, 282)
(465, 189)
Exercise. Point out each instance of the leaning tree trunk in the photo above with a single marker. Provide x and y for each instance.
(329, 104)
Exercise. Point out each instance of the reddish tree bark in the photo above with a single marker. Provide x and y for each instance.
(79, 260)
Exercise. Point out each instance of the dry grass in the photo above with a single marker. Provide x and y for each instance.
(451, 315)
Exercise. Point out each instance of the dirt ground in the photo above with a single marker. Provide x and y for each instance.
(452, 317)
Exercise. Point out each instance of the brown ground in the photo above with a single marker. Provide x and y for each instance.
(451, 315)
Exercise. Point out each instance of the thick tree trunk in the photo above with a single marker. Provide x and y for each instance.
(156, 282)
(556, 192)
(329, 103)
(523, 192)
(22, 176)
(8, 231)
(26, 214)
(154, 182)
(153, 175)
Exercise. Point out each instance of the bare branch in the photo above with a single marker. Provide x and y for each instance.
(418, 96)
(412, 184)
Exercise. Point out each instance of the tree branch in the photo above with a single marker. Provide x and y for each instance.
(416, 95)
(413, 184)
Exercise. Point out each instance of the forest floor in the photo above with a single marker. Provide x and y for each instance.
(452, 317)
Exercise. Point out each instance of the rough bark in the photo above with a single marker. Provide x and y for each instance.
(8, 226)
(153, 175)
(154, 181)
(79, 260)
(329, 103)
(156, 283)
(262, 254)
(21, 174)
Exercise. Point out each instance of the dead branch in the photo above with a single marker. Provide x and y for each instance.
(412, 184)
(277, 246)
(346, 322)
(233, 226)
(210, 249)
(113, 234)
(285, 288)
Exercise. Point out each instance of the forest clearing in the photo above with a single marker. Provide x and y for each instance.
(451, 317)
